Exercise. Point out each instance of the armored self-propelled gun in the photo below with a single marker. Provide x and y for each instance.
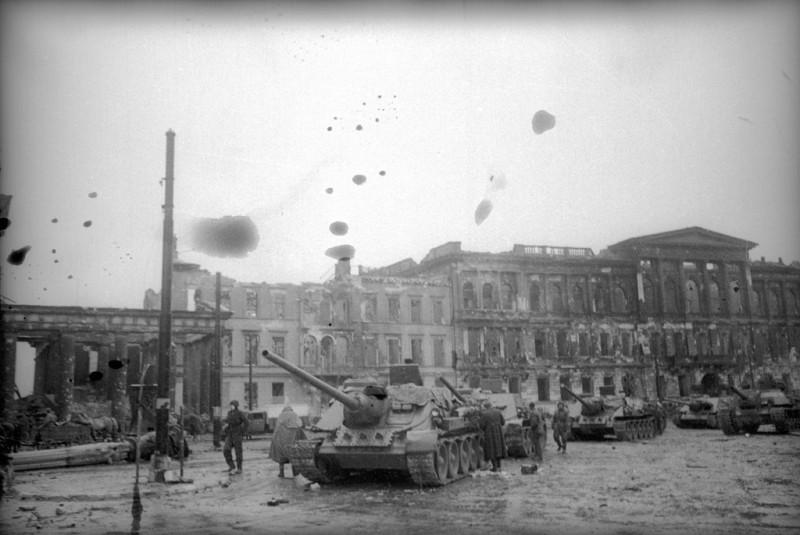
(626, 418)
(406, 428)
(746, 412)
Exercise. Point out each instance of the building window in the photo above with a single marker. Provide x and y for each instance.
(554, 298)
(473, 342)
(251, 348)
(735, 298)
(251, 395)
(278, 345)
(534, 294)
(280, 306)
(416, 351)
(368, 307)
(577, 299)
(325, 316)
(326, 352)
(620, 300)
(416, 310)
(395, 353)
(583, 344)
(713, 293)
(370, 351)
(438, 312)
(468, 292)
(227, 350)
(774, 303)
(599, 298)
(277, 393)
(543, 388)
(251, 302)
(604, 339)
(692, 297)
(507, 296)
(438, 352)
(586, 386)
(564, 382)
(757, 301)
(608, 388)
(394, 308)
(487, 295)
(627, 341)
(309, 350)
(670, 296)
(649, 291)
(791, 297)
(561, 344)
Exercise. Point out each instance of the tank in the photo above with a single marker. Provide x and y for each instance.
(698, 412)
(626, 418)
(406, 428)
(746, 412)
(516, 431)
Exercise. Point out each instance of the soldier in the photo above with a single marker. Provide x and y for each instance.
(288, 429)
(491, 423)
(561, 427)
(538, 431)
(234, 430)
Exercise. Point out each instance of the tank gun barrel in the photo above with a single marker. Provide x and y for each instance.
(452, 389)
(577, 398)
(738, 392)
(351, 403)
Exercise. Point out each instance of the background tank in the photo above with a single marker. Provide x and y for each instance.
(626, 418)
(746, 411)
(517, 430)
(406, 428)
(698, 411)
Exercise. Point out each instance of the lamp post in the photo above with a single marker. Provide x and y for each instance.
(161, 457)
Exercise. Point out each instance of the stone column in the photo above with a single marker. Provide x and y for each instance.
(65, 366)
(724, 291)
(659, 290)
(9, 370)
(104, 385)
(120, 406)
(41, 367)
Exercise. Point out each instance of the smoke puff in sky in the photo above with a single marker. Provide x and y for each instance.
(229, 236)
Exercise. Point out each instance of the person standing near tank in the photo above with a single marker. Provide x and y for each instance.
(491, 422)
(287, 430)
(538, 432)
(234, 429)
(561, 427)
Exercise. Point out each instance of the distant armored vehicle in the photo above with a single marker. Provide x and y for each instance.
(625, 418)
(746, 412)
(406, 428)
(699, 411)
(517, 430)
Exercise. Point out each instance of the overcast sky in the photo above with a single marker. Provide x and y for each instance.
(665, 118)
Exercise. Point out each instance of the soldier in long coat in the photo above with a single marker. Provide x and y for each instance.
(491, 423)
(539, 432)
(287, 430)
(561, 425)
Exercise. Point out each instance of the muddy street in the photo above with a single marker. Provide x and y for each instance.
(685, 481)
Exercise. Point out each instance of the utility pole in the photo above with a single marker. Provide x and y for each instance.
(216, 368)
(161, 458)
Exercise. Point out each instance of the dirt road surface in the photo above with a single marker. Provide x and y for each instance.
(683, 482)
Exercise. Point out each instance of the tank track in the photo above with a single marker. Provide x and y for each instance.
(422, 467)
(636, 429)
(303, 456)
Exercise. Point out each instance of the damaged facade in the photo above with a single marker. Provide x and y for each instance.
(685, 310)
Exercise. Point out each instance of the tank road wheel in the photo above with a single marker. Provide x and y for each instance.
(464, 453)
(441, 461)
(454, 457)
(471, 444)
(782, 427)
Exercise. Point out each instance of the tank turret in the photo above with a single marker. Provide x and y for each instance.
(590, 408)
(361, 408)
(739, 393)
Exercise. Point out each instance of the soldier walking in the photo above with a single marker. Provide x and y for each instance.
(234, 430)
(561, 427)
